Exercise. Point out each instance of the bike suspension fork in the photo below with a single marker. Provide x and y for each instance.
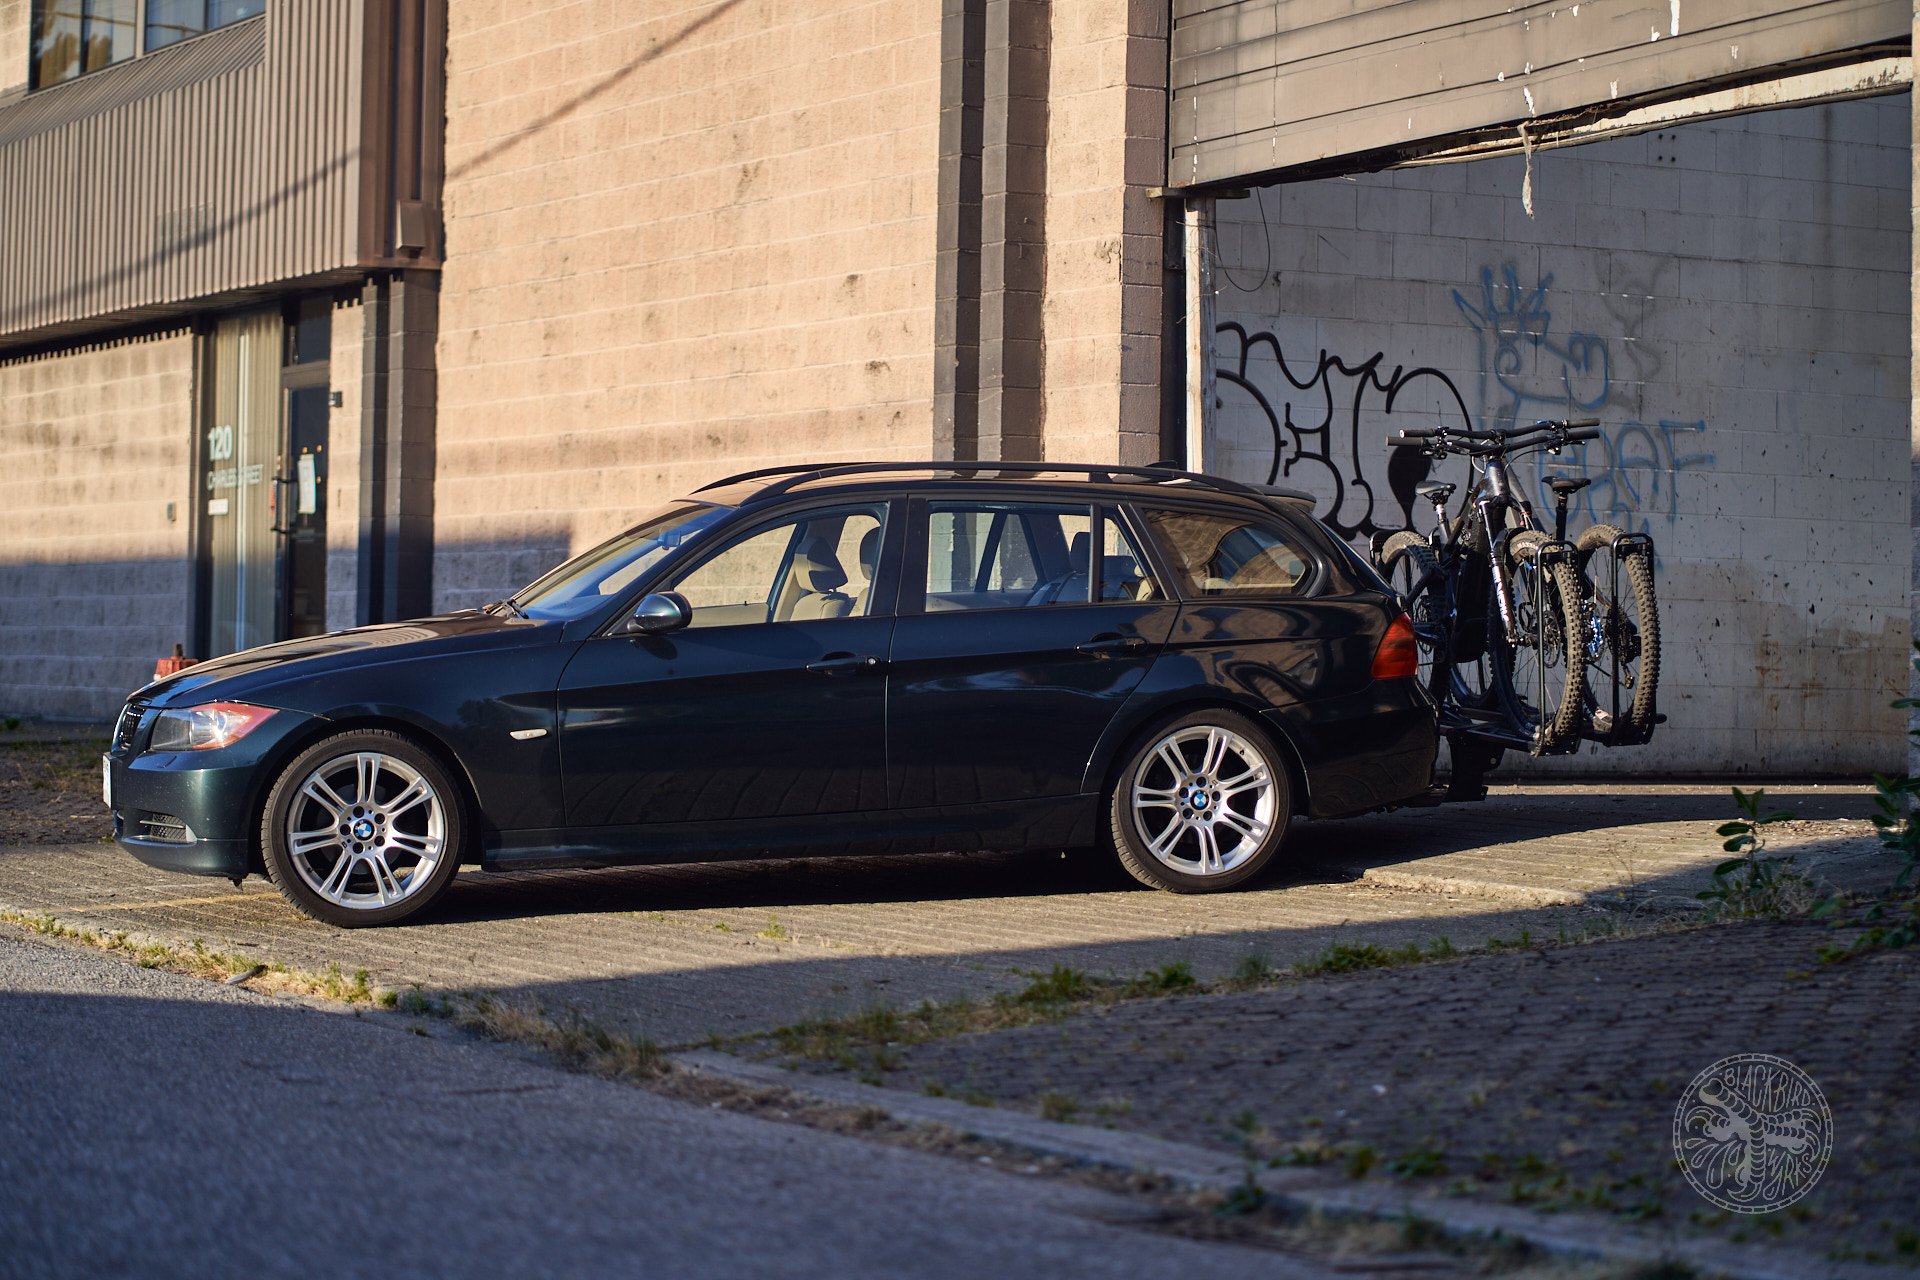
(1502, 584)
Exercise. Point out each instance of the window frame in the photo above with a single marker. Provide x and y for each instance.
(141, 48)
(886, 578)
(1311, 586)
(915, 562)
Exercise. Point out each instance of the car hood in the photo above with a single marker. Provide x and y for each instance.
(253, 673)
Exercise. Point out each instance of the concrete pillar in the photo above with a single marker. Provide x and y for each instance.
(1197, 237)
(1013, 227)
(1105, 280)
(1913, 418)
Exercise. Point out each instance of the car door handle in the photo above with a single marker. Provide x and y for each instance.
(845, 664)
(1111, 643)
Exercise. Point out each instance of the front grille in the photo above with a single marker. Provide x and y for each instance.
(167, 828)
(128, 726)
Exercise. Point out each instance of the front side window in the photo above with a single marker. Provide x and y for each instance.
(811, 568)
(1218, 555)
(72, 37)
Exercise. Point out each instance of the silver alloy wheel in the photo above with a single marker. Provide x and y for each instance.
(365, 830)
(1204, 800)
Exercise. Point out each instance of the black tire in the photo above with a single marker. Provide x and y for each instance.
(1259, 823)
(1406, 562)
(405, 820)
(1629, 633)
(1558, 648)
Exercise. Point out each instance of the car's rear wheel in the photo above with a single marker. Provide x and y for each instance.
(363, 828)
(1201, 804)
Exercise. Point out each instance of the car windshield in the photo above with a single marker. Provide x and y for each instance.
(586, 581)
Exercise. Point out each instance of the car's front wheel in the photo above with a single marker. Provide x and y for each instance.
(363, 828)
(1201, 804)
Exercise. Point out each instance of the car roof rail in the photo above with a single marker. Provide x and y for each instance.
(787, 478)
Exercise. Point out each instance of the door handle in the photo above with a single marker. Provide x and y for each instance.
(1111, 642)
(845, 664)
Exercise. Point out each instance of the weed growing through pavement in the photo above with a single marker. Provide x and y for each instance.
(1057, 1106)
(197, 960)
(1254, 970)
(1175, 976)
(1754, 884)
(575, 1040)
(774, 929)
(1345, 957)
(1247, 1195)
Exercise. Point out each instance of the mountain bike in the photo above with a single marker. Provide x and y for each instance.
(1509, 619)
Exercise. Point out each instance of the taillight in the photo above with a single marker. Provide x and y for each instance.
(1398, 656)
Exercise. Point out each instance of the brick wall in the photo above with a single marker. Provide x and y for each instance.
(1730, 298)
(93, 571)
(683, 239)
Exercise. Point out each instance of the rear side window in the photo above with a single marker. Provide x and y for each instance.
(1230, 555)
(1028, 555)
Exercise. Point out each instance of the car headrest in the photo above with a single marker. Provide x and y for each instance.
(818, 565)
(869, 552)
(1079, 553)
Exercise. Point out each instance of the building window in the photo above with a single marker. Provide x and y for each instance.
(169, 21)
(73, 37)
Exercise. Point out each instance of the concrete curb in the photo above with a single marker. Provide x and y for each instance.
(1569, 1235)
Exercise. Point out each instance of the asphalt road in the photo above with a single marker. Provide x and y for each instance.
(153, 1125)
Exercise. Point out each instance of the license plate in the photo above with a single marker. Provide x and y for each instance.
(106, 780)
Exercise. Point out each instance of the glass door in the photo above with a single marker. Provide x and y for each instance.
(302, 493)
(263, 478)
(239, 456)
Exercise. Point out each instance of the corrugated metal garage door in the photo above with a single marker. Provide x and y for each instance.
(1263, 86)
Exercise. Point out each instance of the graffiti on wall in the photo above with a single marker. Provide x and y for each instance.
(1309, 416)
(1314, 420)
(1527, 372)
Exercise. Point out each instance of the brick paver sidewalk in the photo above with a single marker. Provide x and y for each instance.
(1547, 1077)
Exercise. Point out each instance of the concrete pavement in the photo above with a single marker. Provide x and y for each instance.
(682, 953)
(156, 1126)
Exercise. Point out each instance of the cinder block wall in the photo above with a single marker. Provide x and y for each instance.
(1730, 298)
(683, 239)
(15, 43)
(93, 577)
(1106, 146)
(345, 361)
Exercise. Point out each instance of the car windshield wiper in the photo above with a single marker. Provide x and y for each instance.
(510, 607)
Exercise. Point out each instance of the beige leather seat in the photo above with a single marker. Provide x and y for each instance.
(869, 566)
(819, 575)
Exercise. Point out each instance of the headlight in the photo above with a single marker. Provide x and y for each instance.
(217, 724)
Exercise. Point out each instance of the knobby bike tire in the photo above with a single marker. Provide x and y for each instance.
(1554, 588)
(1408, 554)
(1639, 711)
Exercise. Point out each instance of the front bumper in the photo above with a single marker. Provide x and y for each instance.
(228, 859)
(196, 812)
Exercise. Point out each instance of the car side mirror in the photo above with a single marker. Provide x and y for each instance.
(659, 613)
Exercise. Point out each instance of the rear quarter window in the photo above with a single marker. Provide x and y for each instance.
(1215, 554)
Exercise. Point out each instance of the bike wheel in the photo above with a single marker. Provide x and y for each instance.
(1470, 671)
(1625, 645)
(1540, 666)
(1408, 564)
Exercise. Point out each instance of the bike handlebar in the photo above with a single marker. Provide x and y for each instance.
(1497, 441)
